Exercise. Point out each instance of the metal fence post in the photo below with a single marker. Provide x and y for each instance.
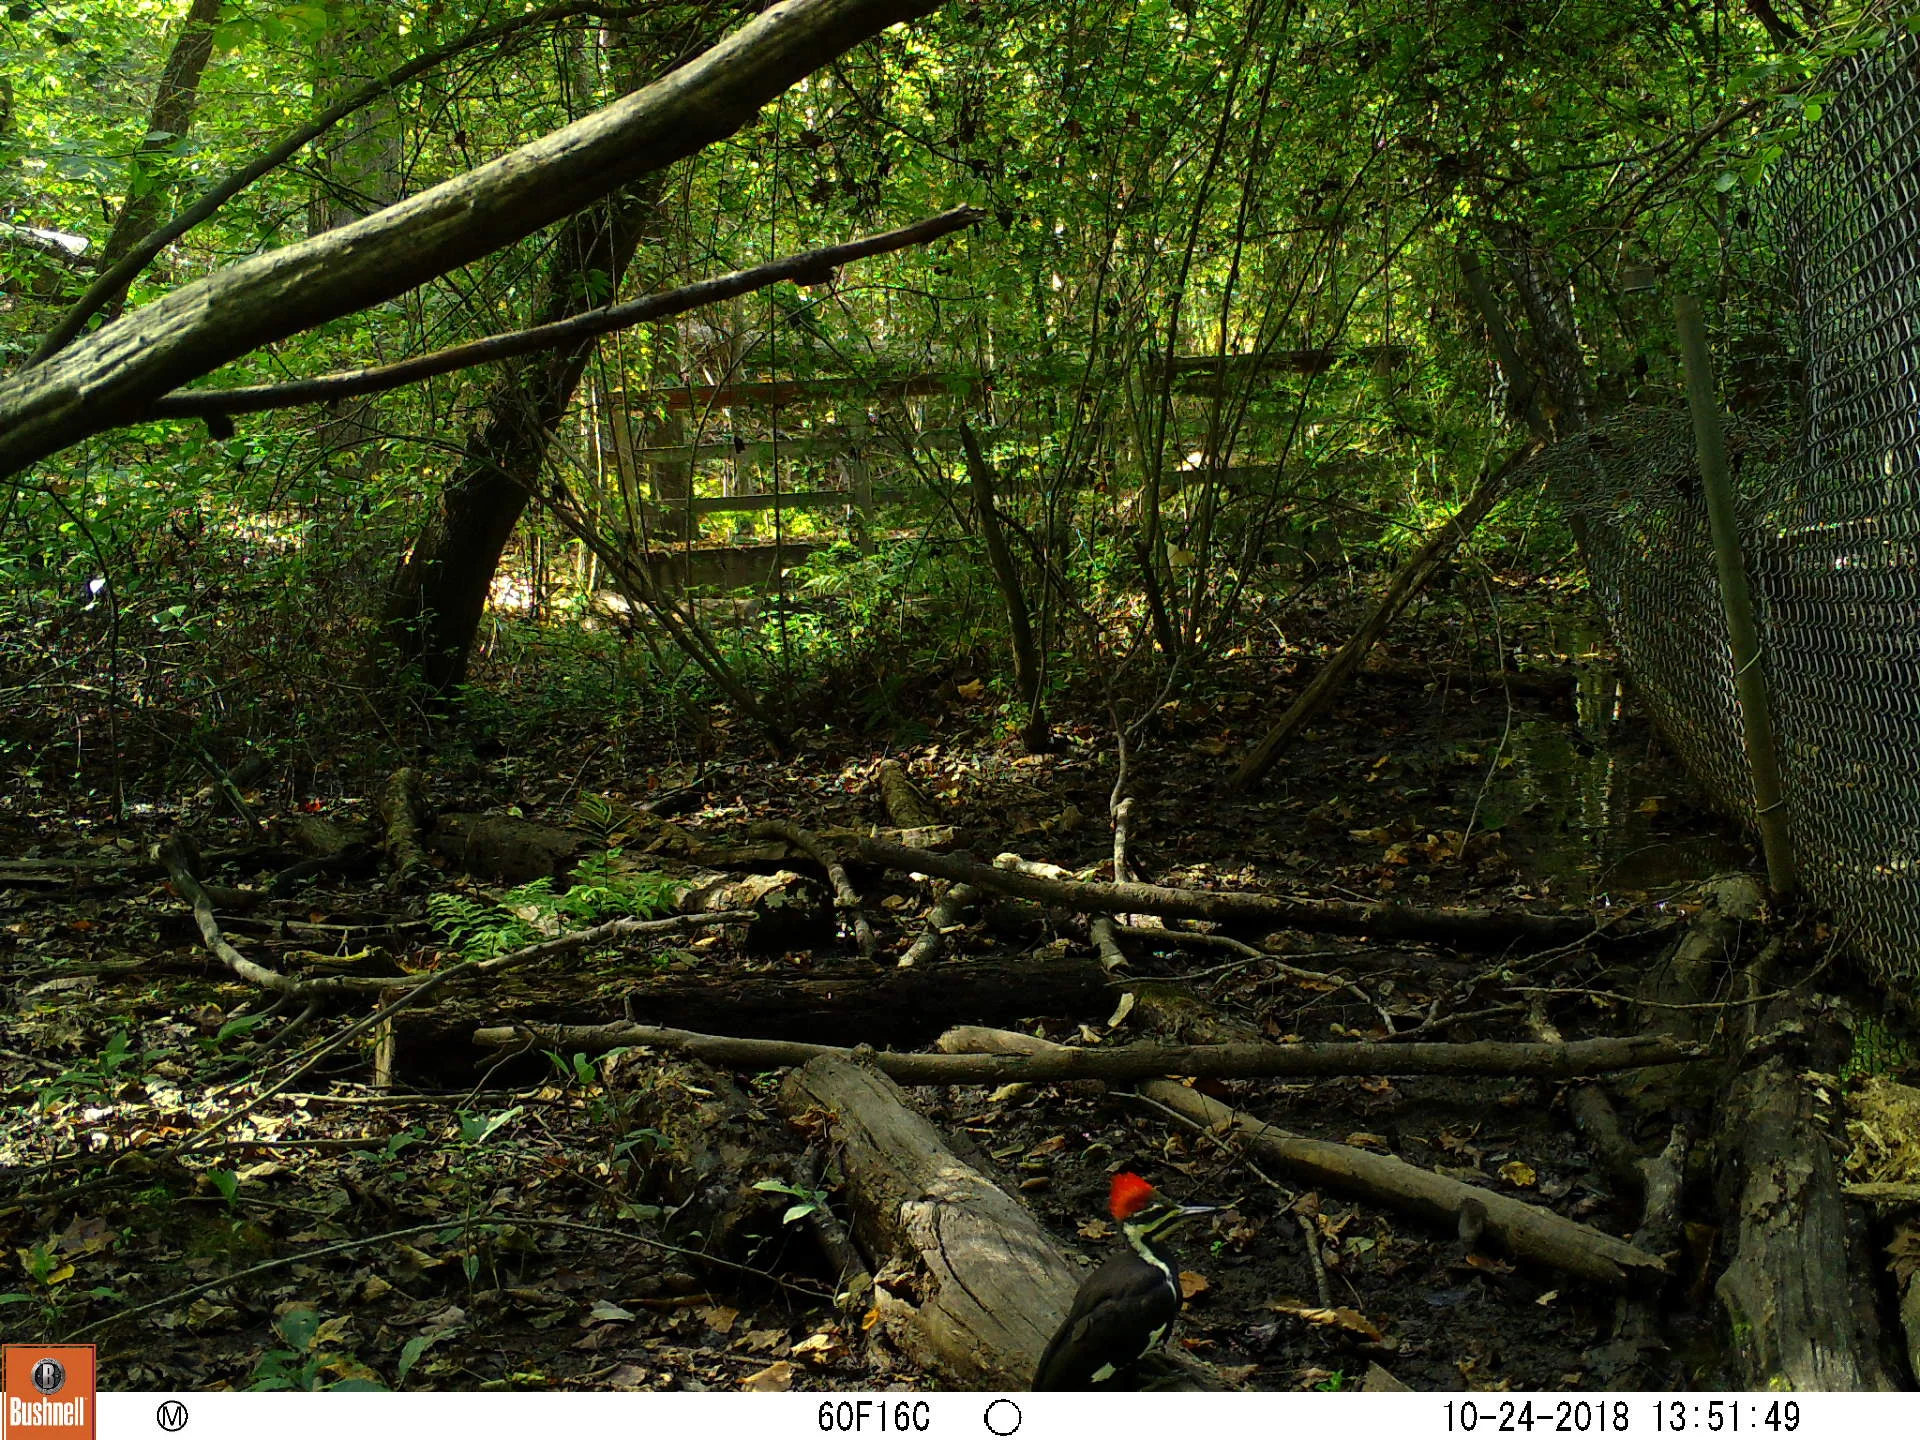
(1756, 718)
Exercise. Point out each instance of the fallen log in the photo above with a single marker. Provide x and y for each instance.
(1528, 1231)
(967, 1282)
(1126, 1064)
(905, 807)
(1464, 926)
(505, 847)
(76, 874)
(403, 806)
(835, 1009)
(608, 932)
(1798, 1302)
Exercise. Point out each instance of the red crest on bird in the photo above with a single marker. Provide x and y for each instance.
(1129, 1195)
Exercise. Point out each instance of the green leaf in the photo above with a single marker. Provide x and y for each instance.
(478, 1129)
(298, 1326)
(244, 1025)
(411, 1352)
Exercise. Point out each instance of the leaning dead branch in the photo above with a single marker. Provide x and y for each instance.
(1408, 582)
(846, 899)
(112, 376)
(1463, 926)
(176, 852)
(1528, 1231)
(809, 268)
(1126, 1064)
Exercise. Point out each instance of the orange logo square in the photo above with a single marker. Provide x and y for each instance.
(48, 1392)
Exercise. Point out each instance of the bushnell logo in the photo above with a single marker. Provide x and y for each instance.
(47, 1392)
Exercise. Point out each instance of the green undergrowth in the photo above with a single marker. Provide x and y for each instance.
(600, 891)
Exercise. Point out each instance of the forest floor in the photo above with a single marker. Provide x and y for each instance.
(579, 1222)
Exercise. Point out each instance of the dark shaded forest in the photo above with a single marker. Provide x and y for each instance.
(674, 679)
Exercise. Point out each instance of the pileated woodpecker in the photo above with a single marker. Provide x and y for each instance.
(1128, 1305)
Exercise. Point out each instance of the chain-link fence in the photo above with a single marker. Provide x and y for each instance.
(1828, 495)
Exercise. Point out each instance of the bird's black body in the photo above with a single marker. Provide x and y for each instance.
(1123, 1309)
(1128, 1305)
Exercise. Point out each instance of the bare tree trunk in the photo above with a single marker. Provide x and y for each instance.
(174, 104)
(356, 172)
(1026, 655)
(358, 167)
(435, 602)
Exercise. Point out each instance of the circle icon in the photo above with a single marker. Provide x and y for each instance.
(1003, 1417)
(48, 1375)
(171, 1416)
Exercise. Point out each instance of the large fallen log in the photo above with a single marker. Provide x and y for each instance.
(967, 1281)
(403, 806)
(852, 1004)
(1799, 1305)
(1462, 926)
(1528, 1231)
(1125, 1064)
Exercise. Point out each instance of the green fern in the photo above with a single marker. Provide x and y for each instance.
(479, 932)
(596, 813)
(600, 892)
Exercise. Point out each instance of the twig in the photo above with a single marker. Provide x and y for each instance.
(1320, 1285)
(845, 898)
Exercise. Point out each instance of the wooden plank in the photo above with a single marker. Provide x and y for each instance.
(1188, 371)
(765, 393)
(760, 452)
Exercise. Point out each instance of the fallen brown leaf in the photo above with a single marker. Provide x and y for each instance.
(1338, 1317)
(777, 1376)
